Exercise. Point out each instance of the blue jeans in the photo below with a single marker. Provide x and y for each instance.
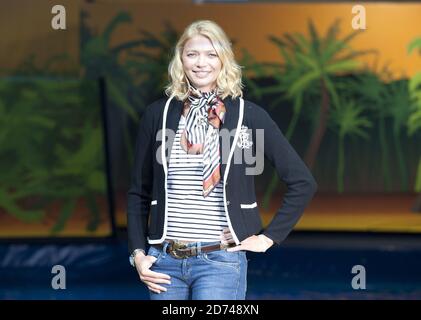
(215, 275)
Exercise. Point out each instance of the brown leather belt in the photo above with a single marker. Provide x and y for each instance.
(180, 250)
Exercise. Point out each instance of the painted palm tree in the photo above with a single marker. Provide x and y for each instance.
(315, 62)
(312, 62)
(398, 107)
(378, 97)
(102, 60)
(134, 81)
(347, 120)
(414, 121)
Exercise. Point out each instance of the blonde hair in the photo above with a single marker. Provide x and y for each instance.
(228, 81)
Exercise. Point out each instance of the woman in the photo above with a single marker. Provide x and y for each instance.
(191, 199)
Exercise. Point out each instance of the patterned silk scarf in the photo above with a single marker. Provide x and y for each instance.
(206, 112)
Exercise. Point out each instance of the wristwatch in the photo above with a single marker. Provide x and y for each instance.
(134, 253)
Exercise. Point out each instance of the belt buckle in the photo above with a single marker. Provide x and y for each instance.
(177, 246)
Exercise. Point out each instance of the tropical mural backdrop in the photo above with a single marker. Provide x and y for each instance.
(69, 118)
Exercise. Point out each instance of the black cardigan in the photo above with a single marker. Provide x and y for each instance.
(146, 210)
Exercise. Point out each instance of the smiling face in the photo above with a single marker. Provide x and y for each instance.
(201, 63)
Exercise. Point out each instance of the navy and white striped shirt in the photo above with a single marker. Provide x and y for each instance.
(190, 215)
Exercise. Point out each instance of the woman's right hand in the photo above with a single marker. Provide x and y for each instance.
(150, 278)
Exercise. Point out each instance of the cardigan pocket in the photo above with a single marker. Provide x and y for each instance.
(251, 218)
(153, 221)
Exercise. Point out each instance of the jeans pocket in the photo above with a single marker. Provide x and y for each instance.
(222, 258)
(154, 252)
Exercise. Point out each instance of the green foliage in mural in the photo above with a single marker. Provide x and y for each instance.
(387, 101)
(348, 120)
(311, 62)
(318, 77)
(414, 121)
(52, 146)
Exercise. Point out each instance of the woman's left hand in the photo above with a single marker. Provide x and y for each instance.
(254, 243)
